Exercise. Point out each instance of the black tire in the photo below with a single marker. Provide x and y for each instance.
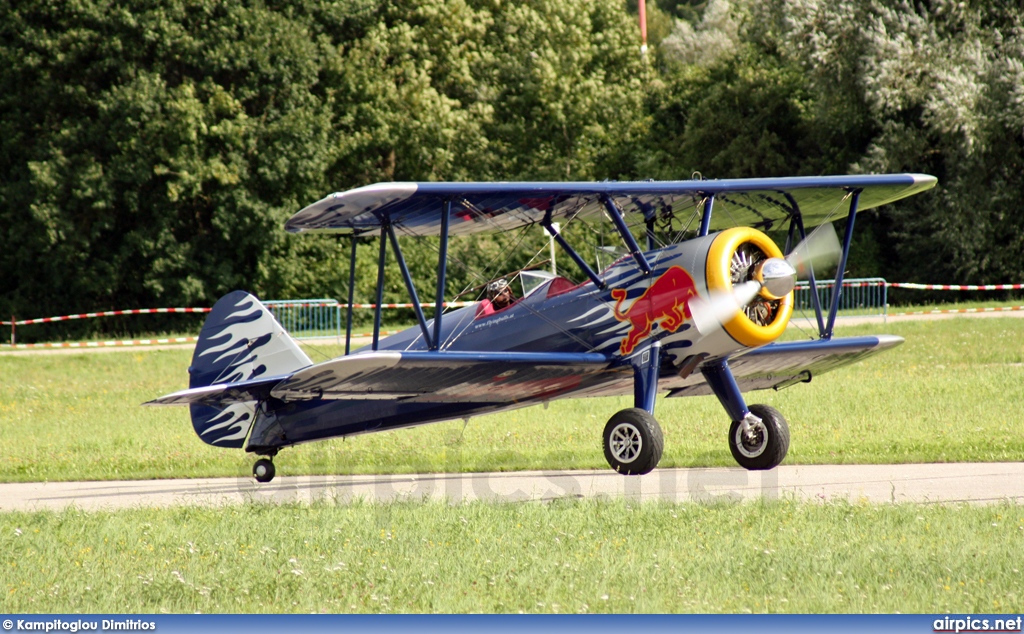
(263, 470)
(770, 444)
(633, 442)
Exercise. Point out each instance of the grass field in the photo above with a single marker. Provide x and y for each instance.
(564, 557)
(952, 393)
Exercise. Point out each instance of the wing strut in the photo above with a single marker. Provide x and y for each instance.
(351, 294)
(380, 286)
(580, 262)
(705, 219)
(826, 326)
(413, 295)
(837, 290)
(627, 236)
(442, 272)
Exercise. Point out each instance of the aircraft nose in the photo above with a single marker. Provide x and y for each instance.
(777, 277)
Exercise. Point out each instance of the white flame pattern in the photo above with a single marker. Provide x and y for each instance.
(279, 354)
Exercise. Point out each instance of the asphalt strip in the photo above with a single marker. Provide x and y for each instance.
(948, 483)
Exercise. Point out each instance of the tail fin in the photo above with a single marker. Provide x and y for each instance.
(240, 340)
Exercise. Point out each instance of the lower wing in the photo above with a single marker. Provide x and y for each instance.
(506, 377)
(780, 365)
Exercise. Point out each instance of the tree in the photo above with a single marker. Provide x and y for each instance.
(937, 87)
(151, 150)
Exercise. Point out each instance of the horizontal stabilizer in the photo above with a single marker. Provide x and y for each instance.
(221, 394)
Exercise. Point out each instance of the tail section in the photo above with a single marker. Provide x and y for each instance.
(240, 340)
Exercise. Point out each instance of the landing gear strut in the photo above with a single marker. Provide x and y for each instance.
(633, 442)
(758, 436)
(263, 470)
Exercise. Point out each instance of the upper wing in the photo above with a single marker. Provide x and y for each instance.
(780, 364)
(415, 208)
(505, 377)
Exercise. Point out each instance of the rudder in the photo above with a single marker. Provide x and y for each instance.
(240, 340)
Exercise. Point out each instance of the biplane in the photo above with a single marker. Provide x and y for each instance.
(696, 310)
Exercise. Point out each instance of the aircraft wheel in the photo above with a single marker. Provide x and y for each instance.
(766, 447)
(633, 442)
(263, 470)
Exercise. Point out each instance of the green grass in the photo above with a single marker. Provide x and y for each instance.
(952, 393)
(955, 305)
(564, 557)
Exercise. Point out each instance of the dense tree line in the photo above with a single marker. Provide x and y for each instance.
(150, 150)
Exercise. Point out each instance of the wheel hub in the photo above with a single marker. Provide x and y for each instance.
(751, 437)
(625, 442)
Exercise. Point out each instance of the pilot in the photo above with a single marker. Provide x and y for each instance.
(500, 294)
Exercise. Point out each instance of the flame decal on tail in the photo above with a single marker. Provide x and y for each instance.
(240, 340)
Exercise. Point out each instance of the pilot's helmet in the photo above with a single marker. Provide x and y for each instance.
(496, 287)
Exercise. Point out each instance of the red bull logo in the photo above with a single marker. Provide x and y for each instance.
(665, 302)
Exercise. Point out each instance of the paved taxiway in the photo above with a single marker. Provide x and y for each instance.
(974, 483)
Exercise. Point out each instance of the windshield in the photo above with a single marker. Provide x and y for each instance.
(606, 256)
(532, 280)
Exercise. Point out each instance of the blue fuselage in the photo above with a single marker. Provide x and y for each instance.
(556, 317)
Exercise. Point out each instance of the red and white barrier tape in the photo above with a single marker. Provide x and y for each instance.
(957, 287)
(144, 342)
(845, 284)
(106, 313)
(99, 344)
(928, 287)
(145, 311)
(998, 309)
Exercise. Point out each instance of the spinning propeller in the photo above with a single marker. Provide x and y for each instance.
(773, 278)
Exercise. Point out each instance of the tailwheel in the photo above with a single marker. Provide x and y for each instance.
(761, 440)
(633, 442)
(263, 470)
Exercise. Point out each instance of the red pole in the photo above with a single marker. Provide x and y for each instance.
(643, 27)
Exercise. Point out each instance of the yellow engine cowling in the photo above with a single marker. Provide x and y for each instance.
(732, 258)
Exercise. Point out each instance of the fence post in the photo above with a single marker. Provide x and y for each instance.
(13, 338)
(885, 302)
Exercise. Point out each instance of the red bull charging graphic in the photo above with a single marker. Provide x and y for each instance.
(666, 302)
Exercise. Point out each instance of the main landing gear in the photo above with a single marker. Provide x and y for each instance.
(758, 436)
(759, 441)
(633, 442)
